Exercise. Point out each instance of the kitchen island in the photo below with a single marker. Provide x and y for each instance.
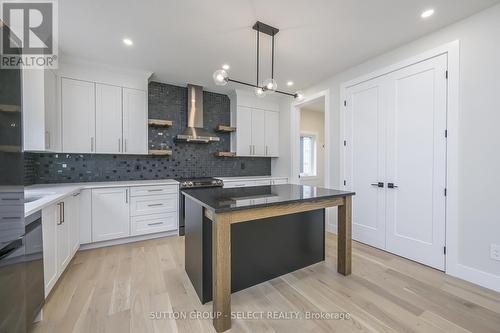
(239, 237)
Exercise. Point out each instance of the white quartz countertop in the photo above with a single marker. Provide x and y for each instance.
(51, 193)
(248, 178)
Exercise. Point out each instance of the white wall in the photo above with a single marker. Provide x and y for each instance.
(313, 122)
(282, 166)
(479, 137)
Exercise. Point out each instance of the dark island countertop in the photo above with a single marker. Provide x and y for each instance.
(222, 200)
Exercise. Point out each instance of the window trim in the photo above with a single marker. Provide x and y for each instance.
(314, 175)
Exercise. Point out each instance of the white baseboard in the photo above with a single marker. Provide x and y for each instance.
(128, 240)
(476, 276)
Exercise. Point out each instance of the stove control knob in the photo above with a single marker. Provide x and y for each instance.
(184, 184)
(190, 184)
(218, 182)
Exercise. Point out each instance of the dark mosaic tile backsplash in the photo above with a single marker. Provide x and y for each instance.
(188, 159)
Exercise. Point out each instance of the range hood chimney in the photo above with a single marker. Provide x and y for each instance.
(195, 131)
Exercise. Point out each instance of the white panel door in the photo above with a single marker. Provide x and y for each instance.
(258, 132)
(365, 126)
(244, 131)
(78, 116)
(62, 235)
(272, 133)
(135, 121)
(416, 162)
(108, 112)
(49, 230)
(73, 212)
(110, 214)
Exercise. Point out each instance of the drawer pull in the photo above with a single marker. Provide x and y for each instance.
(155, 205)
(158, 190)
(11, 218)
(156, 223)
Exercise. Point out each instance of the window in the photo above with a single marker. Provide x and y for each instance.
(308, 155)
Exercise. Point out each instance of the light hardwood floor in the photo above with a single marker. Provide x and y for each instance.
(114, 289)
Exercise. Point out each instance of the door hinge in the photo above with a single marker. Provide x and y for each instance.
(444, 250)
(445, 133)
(446, 74)
(345, 182)
(345, 143)
(345, 103)
(445, 192)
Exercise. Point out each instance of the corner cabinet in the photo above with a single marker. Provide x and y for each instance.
(257, 126)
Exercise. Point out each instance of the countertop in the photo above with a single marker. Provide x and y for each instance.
(248, 178)
(222, 200)
(54, 192)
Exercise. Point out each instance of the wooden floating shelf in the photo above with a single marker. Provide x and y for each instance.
(160, 122)
(225, 129)
(160, 152)
(225, 154)
(10, 149)
(9, 108)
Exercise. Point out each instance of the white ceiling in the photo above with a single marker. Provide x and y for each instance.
(185, 41)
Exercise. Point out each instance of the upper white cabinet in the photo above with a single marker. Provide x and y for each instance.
(78, 116)
(257, 126)
(41, 117)
(135, 121)
(108, 114)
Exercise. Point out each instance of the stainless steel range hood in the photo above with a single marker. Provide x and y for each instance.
(195, 131)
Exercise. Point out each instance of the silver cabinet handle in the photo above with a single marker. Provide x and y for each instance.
(92, 144)
(126, 195)
(392, 185)
(267, 148)
(158, 190)
(156, 223)
(47, 139)
(381, 185)
(76, 194)
(125, 145)
(61, 213)
(250, 147)
(155, 205)
(119, 145)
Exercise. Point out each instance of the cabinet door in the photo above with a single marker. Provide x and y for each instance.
(110, 214)
(258, 132)
(52, 113)
(78, 116)
(49, 224)
(73, 213)
(108, 112)
(135, 121)
(62, 234)
(272, 133)
(244, 131)
(85, 216)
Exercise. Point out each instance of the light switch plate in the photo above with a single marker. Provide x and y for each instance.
(495, 252)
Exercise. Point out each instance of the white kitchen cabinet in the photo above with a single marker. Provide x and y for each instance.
(85, 216)
(135, 121)
(272, 125)
(110, 213)
(78, 116)
(73, 215)
(243, 135)
(255, 182)
(41, 116)
(148, 224)
(108, 114)
(153, 204)
(49, 225)
(258, 132)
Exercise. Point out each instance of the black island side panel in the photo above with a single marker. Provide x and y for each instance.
(260, 249)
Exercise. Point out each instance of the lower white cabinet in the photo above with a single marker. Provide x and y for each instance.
(110, 213)
(60, 238)
(147, 224)
(258, 182)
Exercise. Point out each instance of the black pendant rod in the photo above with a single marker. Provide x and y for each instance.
(272, 61)
(257, 83)
(256, 86)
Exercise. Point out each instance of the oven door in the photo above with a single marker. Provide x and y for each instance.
(33, 258)
(182, 216)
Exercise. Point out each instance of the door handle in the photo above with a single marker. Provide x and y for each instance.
(380, 184)
(391, 185)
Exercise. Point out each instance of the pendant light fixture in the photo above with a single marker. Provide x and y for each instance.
(221, 77)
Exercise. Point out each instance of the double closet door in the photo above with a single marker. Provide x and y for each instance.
(396, 161)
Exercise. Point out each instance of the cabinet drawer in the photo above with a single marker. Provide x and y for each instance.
(262, 182)
(152, 190)
(238, 184)
(11, 198)
(149, 224)
(153, 204)
(279, 181)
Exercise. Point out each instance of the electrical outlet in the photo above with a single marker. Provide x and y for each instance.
(495, 252)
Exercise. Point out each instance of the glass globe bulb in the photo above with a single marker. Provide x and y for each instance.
(220, 77)
(299, 96)
(270, 85)
(260, 92)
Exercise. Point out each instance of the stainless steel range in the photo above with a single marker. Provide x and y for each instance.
(185, 183)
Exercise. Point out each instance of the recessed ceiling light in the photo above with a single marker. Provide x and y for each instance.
(428, 13)
(128, 41)
(289, 83)
(225, 67)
